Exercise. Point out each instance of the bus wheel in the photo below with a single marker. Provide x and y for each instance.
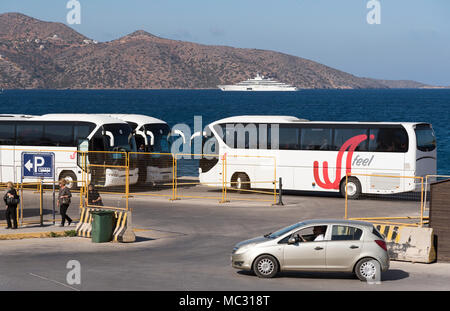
(240, 181)
(70, 177)
(353, 188)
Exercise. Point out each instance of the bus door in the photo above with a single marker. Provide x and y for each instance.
(387, 148)
(7, 164)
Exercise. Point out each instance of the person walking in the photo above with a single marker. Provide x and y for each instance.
(64, 202)
(11, 200)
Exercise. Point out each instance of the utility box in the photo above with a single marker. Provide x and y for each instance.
(440, 218)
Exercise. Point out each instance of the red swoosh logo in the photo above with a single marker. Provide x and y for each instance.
(351, 145)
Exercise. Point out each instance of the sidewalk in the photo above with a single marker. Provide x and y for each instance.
(35, 231)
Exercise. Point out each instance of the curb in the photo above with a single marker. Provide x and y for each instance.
(32, 235)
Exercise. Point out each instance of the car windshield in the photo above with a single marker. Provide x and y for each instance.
(283, 231)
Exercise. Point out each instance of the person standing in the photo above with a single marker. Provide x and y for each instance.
(94, 197)
(64, 202)
(11, 200)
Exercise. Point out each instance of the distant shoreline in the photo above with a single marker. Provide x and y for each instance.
(217, 89)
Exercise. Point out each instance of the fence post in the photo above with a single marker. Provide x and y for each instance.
(174, 178)
(127, 179)
(346, 198)
(54, 200)
(421, 204)
(41, 199)
(280, 194)
(21, 204)
(224, 179)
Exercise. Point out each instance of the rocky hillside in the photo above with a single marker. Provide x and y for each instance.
(37, 54)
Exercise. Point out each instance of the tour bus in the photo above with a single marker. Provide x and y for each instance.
(152, 135)
(316, 156)
(67, 136)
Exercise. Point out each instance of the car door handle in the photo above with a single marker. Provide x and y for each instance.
(354, 246)
(318, 248)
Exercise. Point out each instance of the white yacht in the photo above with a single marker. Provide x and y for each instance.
(259, 83)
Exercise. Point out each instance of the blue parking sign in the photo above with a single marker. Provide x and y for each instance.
(38, 164)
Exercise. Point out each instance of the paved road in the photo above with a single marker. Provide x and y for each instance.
(186, 245)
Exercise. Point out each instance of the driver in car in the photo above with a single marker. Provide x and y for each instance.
(318, 234)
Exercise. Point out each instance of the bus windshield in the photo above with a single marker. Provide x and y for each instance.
(123, 138)
(161, 138)
(426, 140)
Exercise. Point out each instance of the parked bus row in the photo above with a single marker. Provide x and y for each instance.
(308, 156)
(106, 139)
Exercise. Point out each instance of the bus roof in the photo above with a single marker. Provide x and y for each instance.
(140, 119)
(291, 119)
(260, 119)
(95, 118)
(15, 116)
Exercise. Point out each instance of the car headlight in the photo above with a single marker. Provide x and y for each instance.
(241, 250)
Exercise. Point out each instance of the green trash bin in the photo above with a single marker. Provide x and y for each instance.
(102, 226)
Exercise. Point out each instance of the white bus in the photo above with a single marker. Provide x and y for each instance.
(151, 135)
(315, 156)
(66, 134)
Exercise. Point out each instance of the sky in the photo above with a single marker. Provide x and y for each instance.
(412, 41)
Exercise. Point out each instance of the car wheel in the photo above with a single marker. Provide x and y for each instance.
(353, 188)
(265, 266)
(366, 269)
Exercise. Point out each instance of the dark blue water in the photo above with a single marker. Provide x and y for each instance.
(180, 106)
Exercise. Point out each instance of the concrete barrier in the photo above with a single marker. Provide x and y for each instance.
(84, 227)
(409, 243)
(123, 231)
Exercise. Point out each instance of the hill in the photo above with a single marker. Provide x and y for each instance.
(38, 54)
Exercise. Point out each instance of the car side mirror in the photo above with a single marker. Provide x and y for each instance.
(292, 240)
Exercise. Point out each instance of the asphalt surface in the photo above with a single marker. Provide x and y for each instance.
(186, 245)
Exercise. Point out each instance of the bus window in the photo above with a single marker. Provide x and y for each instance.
(342, 135)
(59, 135)
(426, 141)
(30, 134)
(316, 138)
(289, 138)
(7, 134)
(388, 140)
(82, 131)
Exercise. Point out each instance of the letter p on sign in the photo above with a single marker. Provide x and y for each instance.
(38, 162)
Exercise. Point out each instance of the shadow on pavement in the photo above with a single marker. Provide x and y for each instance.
(143, 239)
(394, 275)
(390, 275)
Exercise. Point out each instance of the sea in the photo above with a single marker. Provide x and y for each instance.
(180, 106)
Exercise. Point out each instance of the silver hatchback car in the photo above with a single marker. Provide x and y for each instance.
(315, 245)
